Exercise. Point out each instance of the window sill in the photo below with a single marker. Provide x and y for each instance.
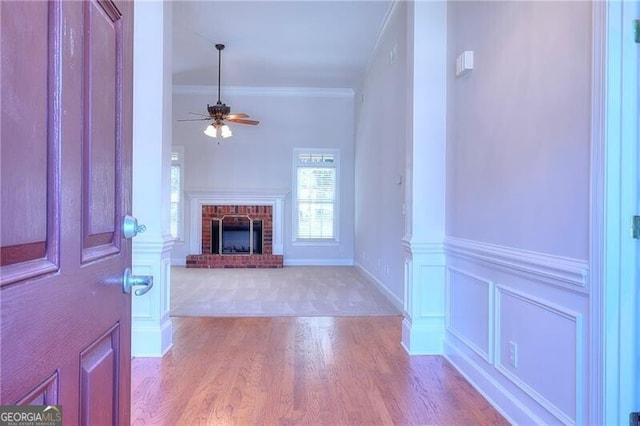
(316, 243)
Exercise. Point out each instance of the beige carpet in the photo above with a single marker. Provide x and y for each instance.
(290, 291)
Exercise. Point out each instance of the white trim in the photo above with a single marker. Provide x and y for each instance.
(318, 262)
(379, 39)
(151, 327)
(421, 247)
(617, 297)
(158, 246)
(199, 198)
(178, 261)
(315, 92)
(488, 356)
(179, 149)
(495, 270)
(423, 336)
(423, 327)
(596, 213)
(336, 165)
(152, 341)
(546, 268)
(395, 301)
(316, 243)
(512, 409)
(561, 311)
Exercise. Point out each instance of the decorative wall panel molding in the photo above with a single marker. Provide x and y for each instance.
(545, 268)
(554, 375)
(471, 302)
(516, 322)
(151, 326)
(424, 294)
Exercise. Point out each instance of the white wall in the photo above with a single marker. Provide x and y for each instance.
(259, 158)
(519, 128)
(517, 216)
(381, 107)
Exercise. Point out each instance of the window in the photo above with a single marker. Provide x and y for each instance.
(177, 178)
(316, 188)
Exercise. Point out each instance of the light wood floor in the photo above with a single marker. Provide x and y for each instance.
(307, 371)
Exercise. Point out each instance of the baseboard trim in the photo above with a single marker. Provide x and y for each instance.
(151, 341)
(500, 398)
(318, 262)
(423, 336)
(395, 301)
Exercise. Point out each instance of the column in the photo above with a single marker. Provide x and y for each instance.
(151, 324)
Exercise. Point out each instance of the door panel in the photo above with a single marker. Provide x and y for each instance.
(101, 141)
(98, 366)
(27, 240)
(65, 143)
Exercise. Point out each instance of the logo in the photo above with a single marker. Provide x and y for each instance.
(30, 415)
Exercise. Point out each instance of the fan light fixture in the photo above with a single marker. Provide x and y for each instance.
(217, 129)
(219, 113)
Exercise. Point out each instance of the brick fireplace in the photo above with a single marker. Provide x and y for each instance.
(209, 209)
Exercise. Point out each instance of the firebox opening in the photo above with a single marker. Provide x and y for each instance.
(236, 234)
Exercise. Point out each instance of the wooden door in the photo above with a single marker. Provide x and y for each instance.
(65, 147)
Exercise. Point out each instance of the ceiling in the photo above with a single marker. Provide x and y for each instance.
(304, 43)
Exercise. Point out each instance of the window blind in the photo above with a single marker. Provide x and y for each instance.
(316, 195)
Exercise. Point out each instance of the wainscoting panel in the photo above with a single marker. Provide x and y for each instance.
(517, 327)
(151, 328)
(470, 312)
(423, 327)
(540, 350)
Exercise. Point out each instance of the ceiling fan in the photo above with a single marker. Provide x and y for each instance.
(221, 112)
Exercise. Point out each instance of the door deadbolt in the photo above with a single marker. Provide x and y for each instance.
(130, 227)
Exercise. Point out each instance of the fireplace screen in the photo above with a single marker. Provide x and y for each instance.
(236, 234)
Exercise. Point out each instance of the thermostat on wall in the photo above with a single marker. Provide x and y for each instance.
(464, 63)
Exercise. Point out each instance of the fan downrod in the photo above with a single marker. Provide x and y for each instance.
(219, 46)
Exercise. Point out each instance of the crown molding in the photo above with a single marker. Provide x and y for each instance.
(321, 92)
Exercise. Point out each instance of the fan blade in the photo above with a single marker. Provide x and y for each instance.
(197, 119)
(237, 115)
(243, 121)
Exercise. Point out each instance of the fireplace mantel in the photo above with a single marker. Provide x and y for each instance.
(274, 198)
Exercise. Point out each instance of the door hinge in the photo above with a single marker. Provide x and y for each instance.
(636, 30)
(636, 227)
(634, 419)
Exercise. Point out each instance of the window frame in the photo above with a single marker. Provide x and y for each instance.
(296, 241)
(179, 150)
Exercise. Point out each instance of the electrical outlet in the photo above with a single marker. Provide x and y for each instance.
(513, 354)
